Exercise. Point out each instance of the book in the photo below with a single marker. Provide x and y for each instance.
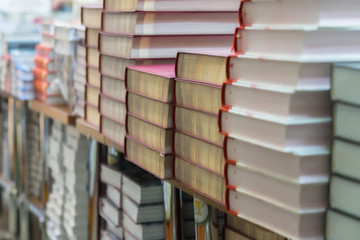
(160, 139)
(93, 76)
(109, 212)
(344, 195)
(92, 115)
(250, 229)
(92, 56)
(153, 111)
(65, 31)
(44, 51)
(277, 102)
(168, 23)
(345, 83)
(208, 95)
(274, 188)
(275, 132)
(47, 40)
(114, 195)
(300, 14)
(340, 226)
(110, 176)
(345, 121)
(297, 164)
(277, 42)
(117, 231)
(276, 72)
(45, 63)
(114, 88)
(143, 213)
(92, 37)
(143, 231)
(230, 234)
(91, 15)
(207, 183)
(81, 51)
(64, 47)
(344, 158)
(132, 46)
(113, 130)
(199, 152)
(46, 88)
(108, 235)
(152, 81)
(92, 94)
(157, 163)
(189, 5)
(43, 75)
(142, 187)
(79, 77)
(115, 67)
(203, 125)
(289, 223)
(112, 109)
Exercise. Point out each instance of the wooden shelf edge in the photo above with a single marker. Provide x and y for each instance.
(180, 186)
(88, 130)
(59, 113)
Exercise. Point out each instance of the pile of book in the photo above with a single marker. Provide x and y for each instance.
(149, 118)
(35, 159)
(46, 68)
(91, 18)
(343, 217)
(133, 207)
(276, 113)
(199, 162)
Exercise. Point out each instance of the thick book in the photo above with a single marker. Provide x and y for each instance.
(143, 213)
(114, 195)
(144, 231)
(154, 111)
(297, 164)
(45, 63)
(208, 184)
(279, 43)
(304, 195)
(91, 15)
(208, 95)
(115, 67)
(92, 56)
(346, 119)
(110, 176)
(112, 108)
(171, 5)
(290, 223)
(113, 87)
(47, 40)
(345, 195)
(92, 94)
(340, 226)
(277, 102)
(142, 187)
(113, 130)
(275, 132)
(207, 66)
(43, 75)
(153, 81)
(157, 163)
(299, 13)
(345, 158)
(92, 37)
(93, 76)
(109, 212)
(81, 60)
(201, 125)
(44, 51)
(199, 152)
(64, 47)
(169, 23)
(81, 51)
(150, 134)
(291, 74)
(65, 32)
(346, 83)
(156, 47)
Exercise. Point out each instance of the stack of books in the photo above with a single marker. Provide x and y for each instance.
(56, 202)
(79, 77)
(76, 159)
(343, 218)
(36, 165)
(199, 162)
(142, 34)
(149, 118)
(91, 18)
(276, 113)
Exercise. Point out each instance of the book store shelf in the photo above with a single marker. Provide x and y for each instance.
(59, 113)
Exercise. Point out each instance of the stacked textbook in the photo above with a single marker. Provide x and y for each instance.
(343, 218)
(199, 162)
(91, 18)
(276, 112)
(149, 118)
(137, 33)
(45, 67)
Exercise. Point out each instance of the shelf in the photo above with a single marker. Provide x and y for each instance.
(190, 191)
(59, 113)
(112, 144)
(88, 130)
